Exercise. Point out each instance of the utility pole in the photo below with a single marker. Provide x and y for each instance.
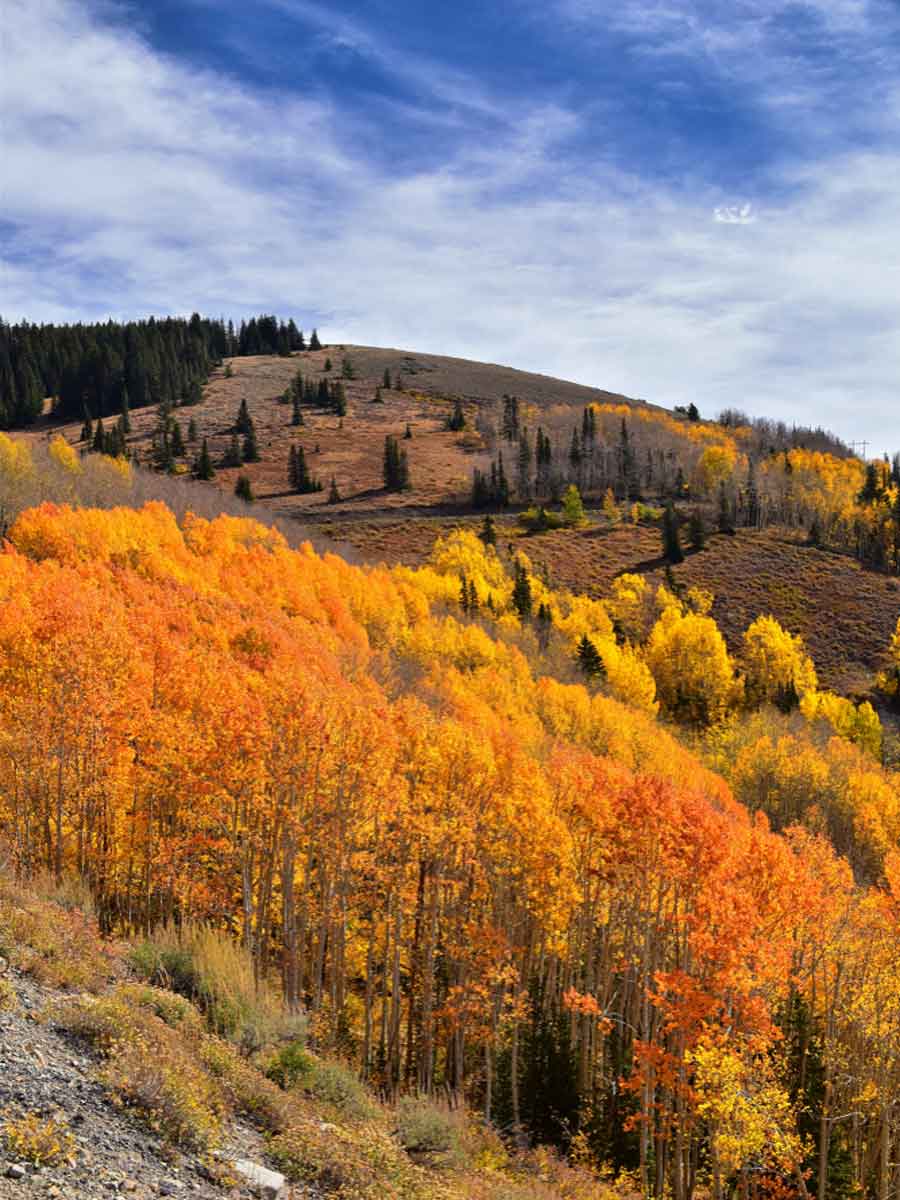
(864, 445)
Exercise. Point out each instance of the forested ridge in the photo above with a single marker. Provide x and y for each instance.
(99, 370)
(567, 859)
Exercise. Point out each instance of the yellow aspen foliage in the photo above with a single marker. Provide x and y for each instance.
(889, 678)
(858, 723)
(715, 465)
(777, 668)
(631, 606)
(695, 678)
(748, 1113)
(65, 455)
(630, 679)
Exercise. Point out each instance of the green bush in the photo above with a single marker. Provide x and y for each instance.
(291, 1065)
(425, 1129)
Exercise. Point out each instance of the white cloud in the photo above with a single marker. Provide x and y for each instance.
(138, 184)
(734, 214)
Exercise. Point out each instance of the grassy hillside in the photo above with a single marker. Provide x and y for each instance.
(442, 461)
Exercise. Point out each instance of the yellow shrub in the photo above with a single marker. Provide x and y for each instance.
(44, 1141)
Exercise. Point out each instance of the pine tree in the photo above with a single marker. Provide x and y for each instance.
(347, 370)
(521, 594)
(126, 411)
(386, 378)
(339, 399)
(314, 343)
(589, 658)
(99, 445)
(292, 469)
(250, 447)
(408, 433)
(243, 422)
(488, 533)
(192, 430)
(87, 432)
(177, 442)
(328, 365)
(693, 412)
(545, 624)
(474, 601)
(233, 456)
(243, 489)
(204, 468)
(334, 496)
(457, 419)
(378, 398)
(670, 537)
(297, 414)
(464, 593)
(404, 484)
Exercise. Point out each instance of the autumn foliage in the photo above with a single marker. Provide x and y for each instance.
(475, 872)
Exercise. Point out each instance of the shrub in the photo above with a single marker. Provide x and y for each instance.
(428, 1130)
(8, 998)
(210, 968)
(248, 1091)
(360, 1164)
(165, 1084)
(291, 1065)
(44, 1141)
(60, 948)
(337, 1085)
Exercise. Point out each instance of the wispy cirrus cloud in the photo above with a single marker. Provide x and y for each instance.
(137, 181)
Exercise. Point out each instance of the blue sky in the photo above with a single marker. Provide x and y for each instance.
(678, 199)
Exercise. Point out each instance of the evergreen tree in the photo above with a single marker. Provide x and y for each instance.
(177, 441)
(334, 496)
(233, 456)
(488, 532)
(347, 369)
(243, 489)
(398, 383)
(339, 399)
(457, 419)
(87, 432)
(386, 378)
(126, 411)
(204, 468)
(670, 536)
(328, 365)
(192, 430)
(523, 473)
(408, 433)
(521, 594)
(464, 593)
(395, 466)
(297, 413)
(589, 658)
(99, 445)
(545, 624)
(250, 447)
(378, 398)
(693, 412)
(243, 422)
(314, 343)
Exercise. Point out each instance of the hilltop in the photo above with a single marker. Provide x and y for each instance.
(771, 569)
